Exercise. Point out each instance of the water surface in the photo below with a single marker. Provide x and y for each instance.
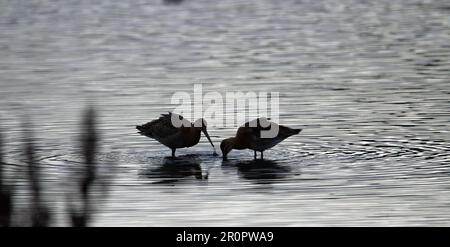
(368, 81)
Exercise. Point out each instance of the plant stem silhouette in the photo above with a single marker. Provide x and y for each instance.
(40, 216)
(88, 175)
(5, 192)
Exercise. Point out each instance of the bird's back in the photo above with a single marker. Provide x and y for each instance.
(163, 130)
(250, 134)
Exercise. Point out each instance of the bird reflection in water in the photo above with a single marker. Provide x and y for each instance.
(173, 170)
(172, 2)
(260, 171)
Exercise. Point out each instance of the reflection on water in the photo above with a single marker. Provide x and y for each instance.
(172, 1)
(261, 171)
(174, 169)
(367, 81)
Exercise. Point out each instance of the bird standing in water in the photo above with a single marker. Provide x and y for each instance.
(164, 131)
(250, 136)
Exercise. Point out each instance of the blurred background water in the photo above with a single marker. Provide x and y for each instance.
(368, 81)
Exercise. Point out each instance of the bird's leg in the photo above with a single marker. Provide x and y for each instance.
(255, 155)
(262, 155)
(173, 152)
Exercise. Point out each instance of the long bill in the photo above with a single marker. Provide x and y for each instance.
(209, 139)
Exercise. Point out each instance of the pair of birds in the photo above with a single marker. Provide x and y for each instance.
(248, 136)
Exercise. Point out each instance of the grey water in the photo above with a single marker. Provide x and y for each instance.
(367, 81)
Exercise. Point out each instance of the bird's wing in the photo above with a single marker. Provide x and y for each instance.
(173, 116)
(252, 129)
(162, 127)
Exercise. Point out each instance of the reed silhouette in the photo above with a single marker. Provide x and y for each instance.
(40, 214)
(81, 211)
(79, 198)
(5, 192)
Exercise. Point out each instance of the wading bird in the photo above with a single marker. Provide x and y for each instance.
(166, 133)
(250, 136)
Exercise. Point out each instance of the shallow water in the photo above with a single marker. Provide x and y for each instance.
(368, 81)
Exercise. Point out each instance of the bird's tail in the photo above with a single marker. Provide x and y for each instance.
(296, 131)
(286, 131)
(144, 130)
